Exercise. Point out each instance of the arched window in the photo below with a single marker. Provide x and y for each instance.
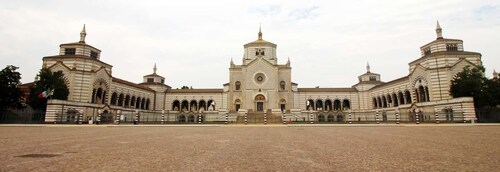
(421, 94)
(384, 102)
(408, 97)
(181, 118)
(396, 103)
(120, 100)
(336, 104)
(282, 85)
(114, 96)
(237, 85)
(401, 98)
(184, 106)
(340, 117)
(319, 104)
(176, 105)
(260, 97)
(451, 47)
(211, 105)
(143, 103)
(375, 103)
(379, 102)
(346, 104)
(237, 105)
(191, 118)
(321, 118)
(389, 100)
(328, 105)
(138, 103)
(127, 101)
(309, 104)
(98, 96)
(193, 105)
(259, 52)
(132, 102)
(331, 118)
(202, 105)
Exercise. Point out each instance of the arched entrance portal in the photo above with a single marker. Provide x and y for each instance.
(259, 102)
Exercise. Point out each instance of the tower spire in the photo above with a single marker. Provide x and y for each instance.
(367, 67)
(154, 69)
(260, 32)
(83, 34)
(439, 31)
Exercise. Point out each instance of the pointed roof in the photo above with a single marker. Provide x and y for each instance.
(83, 34)
(260, 32)
(367, 67)
(260, 41)
(439, 31)
(154, 69)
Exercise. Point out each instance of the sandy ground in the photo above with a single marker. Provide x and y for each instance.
(250, 148)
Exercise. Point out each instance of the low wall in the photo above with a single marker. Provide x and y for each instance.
(453, 110)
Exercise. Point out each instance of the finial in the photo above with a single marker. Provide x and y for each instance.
(154, 69)
(439, 31)
(231, 63)
(83, 34)
(367, 67)
(495, 74)
(260, 32)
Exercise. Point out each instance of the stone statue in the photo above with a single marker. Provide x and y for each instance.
(213, 105)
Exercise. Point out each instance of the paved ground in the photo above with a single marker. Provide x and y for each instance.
(250, 148)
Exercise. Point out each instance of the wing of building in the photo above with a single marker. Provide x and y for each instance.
(260, 86)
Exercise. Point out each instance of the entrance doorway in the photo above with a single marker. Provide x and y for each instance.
(260, 106)
(259, 102)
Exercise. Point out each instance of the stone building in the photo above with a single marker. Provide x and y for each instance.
(260, 86)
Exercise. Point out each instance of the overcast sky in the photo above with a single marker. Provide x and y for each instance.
(192, 42)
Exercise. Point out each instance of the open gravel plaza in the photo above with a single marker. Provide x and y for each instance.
(425, 147)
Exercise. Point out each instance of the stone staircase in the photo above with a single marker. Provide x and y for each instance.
(258, 118)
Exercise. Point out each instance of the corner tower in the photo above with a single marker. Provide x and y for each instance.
(440, 61)
(88, 78)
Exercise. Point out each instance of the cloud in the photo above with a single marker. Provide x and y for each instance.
(304, 13)
(267, 10)
(486, 12)
(486, 9)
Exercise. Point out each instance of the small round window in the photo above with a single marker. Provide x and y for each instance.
(260, 78)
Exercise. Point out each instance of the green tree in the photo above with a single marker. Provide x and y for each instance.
(186, 87)
(10, 94)
(47, 81)
(492, 88)
(471, 82)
